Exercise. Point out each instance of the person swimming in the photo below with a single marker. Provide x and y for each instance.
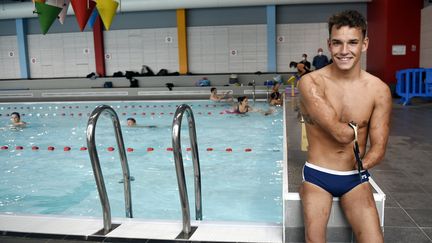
(16, 120)
(242, 107)
(131, 122)
(215, 97)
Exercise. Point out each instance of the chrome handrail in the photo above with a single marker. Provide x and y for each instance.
(254, 95)
(178, 158)
(91, 130)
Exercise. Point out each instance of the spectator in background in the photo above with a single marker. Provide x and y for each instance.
(301, 70)
(305, 62)
(320, 60)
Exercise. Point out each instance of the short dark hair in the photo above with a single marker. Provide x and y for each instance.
(17, 114)
(351, 18)
(131, 119)
(241, 98)
(212, 89)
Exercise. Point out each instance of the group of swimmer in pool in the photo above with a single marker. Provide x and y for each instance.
(242, 105)
(16, 122)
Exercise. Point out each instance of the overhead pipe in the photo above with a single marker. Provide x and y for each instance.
(25, 9)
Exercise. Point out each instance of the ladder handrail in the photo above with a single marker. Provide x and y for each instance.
(178, 158)
(91, 130)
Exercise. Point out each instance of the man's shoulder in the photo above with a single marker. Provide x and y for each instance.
(376, 82)
(312, 79)
(317, 74)
(378, 87)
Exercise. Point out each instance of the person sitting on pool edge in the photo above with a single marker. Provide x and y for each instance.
(131, 122)
(215, 97)
(16, 120)
(275, 97)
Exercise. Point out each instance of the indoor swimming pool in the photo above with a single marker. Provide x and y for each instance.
(45, 167)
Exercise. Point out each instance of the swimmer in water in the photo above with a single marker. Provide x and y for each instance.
(242, 107)
(16, 120)
(131, 122)
(215, 97)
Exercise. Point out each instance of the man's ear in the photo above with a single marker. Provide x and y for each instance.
(365, 44)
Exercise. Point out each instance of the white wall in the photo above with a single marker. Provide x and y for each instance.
(210, 49)
(130, 49)
(9, 58)
(301, 38)
(426, 38)
(61, 55)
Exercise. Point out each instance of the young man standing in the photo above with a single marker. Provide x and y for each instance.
(341, 105)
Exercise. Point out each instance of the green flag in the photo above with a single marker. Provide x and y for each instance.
(47, 15)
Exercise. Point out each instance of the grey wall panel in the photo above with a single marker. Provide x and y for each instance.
(7, 27)
(226, 16)
(145, 20)
(70, 25)
(313, 13)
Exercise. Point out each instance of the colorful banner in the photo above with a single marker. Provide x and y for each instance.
(83, 9)
(107, 10)
(47, 15)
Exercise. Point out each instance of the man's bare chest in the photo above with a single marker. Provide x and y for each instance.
(352, 105)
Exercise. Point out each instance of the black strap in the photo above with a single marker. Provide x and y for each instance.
(356, 148)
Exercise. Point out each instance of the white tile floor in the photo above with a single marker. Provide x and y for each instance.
(140, 229)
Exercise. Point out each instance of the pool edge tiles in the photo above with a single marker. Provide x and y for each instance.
(48, 224)
(84, 227)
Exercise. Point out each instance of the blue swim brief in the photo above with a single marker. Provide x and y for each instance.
(335, 182)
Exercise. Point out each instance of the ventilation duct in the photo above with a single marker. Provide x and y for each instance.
(16, 10)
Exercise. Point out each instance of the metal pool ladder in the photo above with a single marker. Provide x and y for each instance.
(91, 144)
(178, 158)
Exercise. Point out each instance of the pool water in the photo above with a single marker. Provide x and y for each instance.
(240, 156)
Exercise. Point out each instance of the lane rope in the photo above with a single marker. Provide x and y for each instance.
(128, 149)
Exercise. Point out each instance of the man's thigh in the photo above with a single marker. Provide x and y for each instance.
(361, 212)
(316, 207)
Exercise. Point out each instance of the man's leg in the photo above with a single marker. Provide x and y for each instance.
(316, 211)
(361, 212)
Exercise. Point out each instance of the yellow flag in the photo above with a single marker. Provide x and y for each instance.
(107, 10)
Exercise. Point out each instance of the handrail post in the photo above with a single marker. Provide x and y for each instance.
(97, 171)
(178, 158)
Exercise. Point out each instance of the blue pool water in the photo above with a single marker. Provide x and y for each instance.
(239, 185)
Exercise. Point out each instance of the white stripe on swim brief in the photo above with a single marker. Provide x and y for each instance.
(330, 171)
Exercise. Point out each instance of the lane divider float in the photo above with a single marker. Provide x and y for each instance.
(129, 149)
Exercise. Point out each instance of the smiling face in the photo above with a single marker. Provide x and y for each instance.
(346, 45)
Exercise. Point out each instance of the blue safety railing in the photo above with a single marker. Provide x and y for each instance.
(415, 82)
